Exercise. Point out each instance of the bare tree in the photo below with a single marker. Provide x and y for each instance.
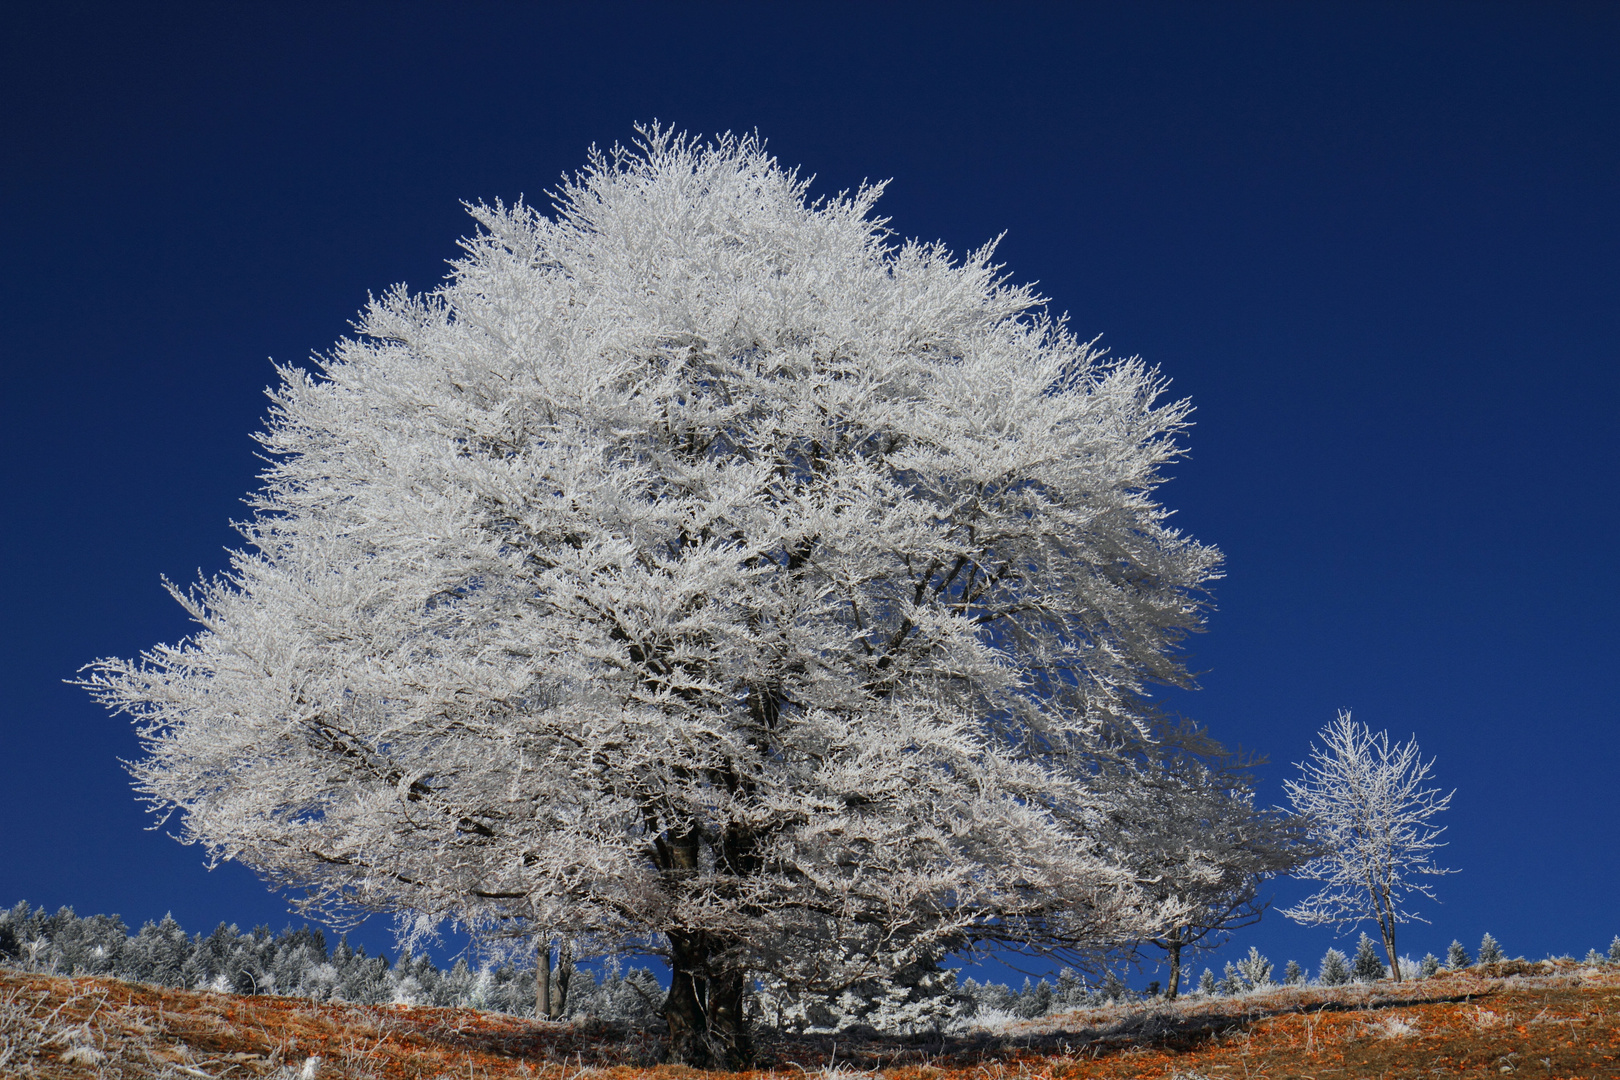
(1369, 808)
(699, 569)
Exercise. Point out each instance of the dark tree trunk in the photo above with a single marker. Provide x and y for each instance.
(704, 1009)
(1388, 932)
(542, 980)
(1174, 945)
(565, 975)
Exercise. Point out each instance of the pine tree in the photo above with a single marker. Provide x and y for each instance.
(1072, 992)
(1456, 956)
(1593, 958)
(1429, 965)
(1335, 969)
(1367, 966)
(1293, 974)
(1489, 951)
(998, 997)
(1614, 950)
(1030, 1003)
(1206, 983)
(1255, 970)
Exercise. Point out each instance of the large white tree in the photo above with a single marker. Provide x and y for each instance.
(699, 568)
(1373, 815)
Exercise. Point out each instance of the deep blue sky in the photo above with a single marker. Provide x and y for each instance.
(1378, 245)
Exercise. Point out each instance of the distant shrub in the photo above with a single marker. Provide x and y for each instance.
(1335, 969)
(1457, 956)
(1594, 958)
(1614, 950)
(1489, 951)
(1367, 967)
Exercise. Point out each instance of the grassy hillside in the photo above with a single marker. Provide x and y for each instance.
(1543, 1020)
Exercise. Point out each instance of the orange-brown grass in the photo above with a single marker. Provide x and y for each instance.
(1541, 1020)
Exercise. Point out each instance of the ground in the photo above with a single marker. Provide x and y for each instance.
(1552, 1019)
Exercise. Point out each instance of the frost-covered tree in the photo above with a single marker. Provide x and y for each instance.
(1366, 966)
(1373, 816)
(1182, 816)
(1614, 949)
(698, 567)
(1207, 984)
(1293, 974)
(1334, 970)
(1490, 952)
(1428, 966)
(1456, 956)
(1255, 970)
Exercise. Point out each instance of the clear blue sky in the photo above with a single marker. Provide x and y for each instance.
(1378, 245)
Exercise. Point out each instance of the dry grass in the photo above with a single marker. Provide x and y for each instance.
(1547, 1021)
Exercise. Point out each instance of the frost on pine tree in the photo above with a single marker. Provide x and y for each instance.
(1207, 985)
(1293, 974)
(1255, 970)
(1429, 965)
(698, 569)
(1456, 956)
(1614, 950)
(1489, 951)
(1374, 821)
(1334, 970)
(1366, 966)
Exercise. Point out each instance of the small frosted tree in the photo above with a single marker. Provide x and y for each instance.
(1207, 986)
(698, 569)
(1373, 815)
(1429, 965)
(1490, 952)
(1335, 969)
(1255, 970)
(1293, 974)
(1614, 950)
(1456, 956)
(1366, 966)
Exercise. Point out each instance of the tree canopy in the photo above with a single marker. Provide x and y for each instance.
(698, 567)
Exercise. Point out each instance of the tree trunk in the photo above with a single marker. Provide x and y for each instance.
(704, 1009)
(1174, 945)
(1388, 932)
(565, 975)
(542, 980)
(1384, 908)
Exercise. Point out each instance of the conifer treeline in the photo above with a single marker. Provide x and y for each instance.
(299, 963)
(296, 963)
